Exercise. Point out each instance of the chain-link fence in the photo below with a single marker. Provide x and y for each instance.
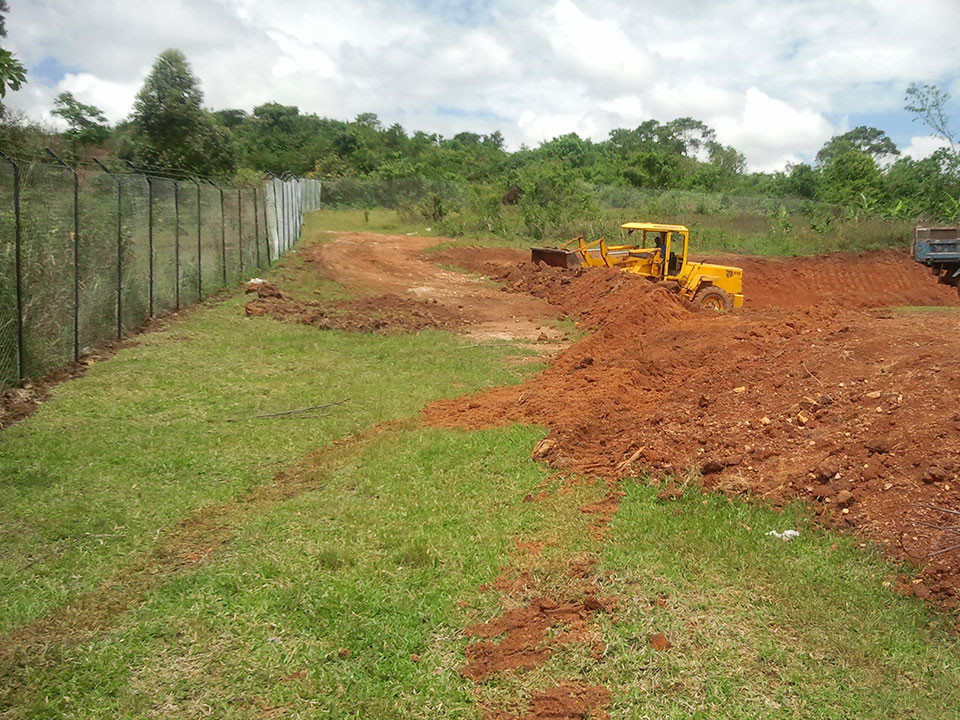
(87, 255)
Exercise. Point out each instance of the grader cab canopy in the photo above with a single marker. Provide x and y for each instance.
(661, 256)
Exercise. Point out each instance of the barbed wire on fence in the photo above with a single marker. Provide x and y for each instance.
(89, 253)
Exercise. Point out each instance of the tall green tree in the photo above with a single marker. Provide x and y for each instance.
(852, 178)
(866, 139)
(87, 124)
(169, 127)
(929, 105)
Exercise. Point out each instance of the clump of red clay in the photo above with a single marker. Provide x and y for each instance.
(603, 511)
(567, 701)
(855, 410)
(525, 644)
(384, 314)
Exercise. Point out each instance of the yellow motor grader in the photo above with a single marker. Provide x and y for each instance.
(661, 256)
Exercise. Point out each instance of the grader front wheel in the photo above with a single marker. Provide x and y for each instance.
(713, 298)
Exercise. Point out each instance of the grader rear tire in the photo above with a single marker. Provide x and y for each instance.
(713, 298)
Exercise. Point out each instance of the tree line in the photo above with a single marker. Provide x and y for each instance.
(861, 170)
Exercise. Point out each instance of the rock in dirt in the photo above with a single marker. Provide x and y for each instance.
(827, 469)
(880, 445)
(711, 467)
(543, 448)
(263, 289)
(845, 499)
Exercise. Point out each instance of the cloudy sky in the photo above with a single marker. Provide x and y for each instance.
(775, 78)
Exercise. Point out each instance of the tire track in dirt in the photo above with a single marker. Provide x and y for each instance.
(189, 544)
(535, 626)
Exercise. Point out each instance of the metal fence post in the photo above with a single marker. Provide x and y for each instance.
(266, 229)
(76, 253)
(240, 228)
(176, 243)
(150, 237)
(119, 248)
(199, 248)
(285, 193)
(223, 237)
(18, 264)
(256, 225)
(276, 215)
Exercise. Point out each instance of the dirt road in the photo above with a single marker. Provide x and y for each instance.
(397, 265)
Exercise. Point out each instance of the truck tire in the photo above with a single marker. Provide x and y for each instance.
(713, 298)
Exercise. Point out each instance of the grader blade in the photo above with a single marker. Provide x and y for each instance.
(555, 256)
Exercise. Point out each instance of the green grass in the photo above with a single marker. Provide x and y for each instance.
(117, 457)
(376, 220)
(337, 587)
(933, 309)
(763, 628)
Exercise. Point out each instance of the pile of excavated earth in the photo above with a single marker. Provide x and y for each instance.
(820, 389)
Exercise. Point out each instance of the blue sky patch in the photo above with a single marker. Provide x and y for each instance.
(49, 71)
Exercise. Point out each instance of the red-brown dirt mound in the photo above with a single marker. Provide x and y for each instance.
(396, 265)
(856, 411)
(874, 279)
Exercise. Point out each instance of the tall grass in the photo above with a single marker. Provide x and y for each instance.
(718, 222)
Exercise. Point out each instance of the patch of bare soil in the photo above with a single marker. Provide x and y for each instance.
(524, 644)
(382, 314)
(396, 265)
(567, 701)
(535, 626)
(852, 409)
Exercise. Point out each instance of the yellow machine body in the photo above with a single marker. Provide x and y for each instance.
(661, 255)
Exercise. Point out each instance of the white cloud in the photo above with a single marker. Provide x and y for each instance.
(922, 146)
(767, 76)
(770, 132)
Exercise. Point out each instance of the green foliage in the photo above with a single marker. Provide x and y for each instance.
(552, 199)
(928, 104)
(12, 73)
(87, 124)
(851, 178)
(866, 139)
(854, 171)
(245, 177)
(170, 128)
